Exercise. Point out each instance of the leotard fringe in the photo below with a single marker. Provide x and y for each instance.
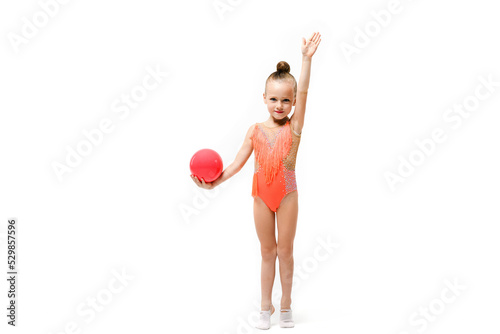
(271, 159)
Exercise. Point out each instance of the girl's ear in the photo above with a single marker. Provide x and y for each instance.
(264, 96)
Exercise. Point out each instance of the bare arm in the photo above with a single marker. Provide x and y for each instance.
(240, 160)
(308, 49)
(238, 163)
(302, 87)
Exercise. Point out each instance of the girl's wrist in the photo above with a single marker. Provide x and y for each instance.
(215, 183)
(219, 180)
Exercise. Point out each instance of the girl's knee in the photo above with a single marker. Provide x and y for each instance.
(269, 253)
(284, 252)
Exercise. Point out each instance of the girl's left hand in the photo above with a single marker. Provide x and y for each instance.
(309, 47)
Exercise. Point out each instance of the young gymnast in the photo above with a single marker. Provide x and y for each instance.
(275, 143)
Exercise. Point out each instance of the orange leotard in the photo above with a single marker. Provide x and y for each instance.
(275, 152)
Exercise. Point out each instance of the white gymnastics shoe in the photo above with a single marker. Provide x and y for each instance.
(265, 318)
(286, 320)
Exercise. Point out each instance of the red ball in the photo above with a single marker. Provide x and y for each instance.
(206, 164)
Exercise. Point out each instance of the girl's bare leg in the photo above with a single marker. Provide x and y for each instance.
(287, 214)
(265, 226)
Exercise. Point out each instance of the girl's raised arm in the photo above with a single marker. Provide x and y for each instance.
(308, 49)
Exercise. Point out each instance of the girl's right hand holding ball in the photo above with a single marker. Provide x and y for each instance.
(202, 183)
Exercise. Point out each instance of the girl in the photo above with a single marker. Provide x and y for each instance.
(275, 142)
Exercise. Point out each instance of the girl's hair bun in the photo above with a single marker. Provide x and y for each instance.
(283, 67)
(281, 74)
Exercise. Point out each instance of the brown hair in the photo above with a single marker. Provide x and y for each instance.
(282, 74)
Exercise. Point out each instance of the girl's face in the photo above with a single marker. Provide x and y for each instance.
(279, 98)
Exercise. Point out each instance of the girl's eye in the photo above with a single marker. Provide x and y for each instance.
(273, 99)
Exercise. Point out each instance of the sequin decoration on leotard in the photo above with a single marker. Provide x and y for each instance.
(275, 156)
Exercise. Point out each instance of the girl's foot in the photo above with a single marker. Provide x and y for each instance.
(286, 320)
(265, 318)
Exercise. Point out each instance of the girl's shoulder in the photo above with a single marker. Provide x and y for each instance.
(252, 129)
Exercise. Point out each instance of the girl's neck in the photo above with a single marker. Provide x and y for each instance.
(273, 122)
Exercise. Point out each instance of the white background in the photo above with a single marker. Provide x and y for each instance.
(121, 207)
